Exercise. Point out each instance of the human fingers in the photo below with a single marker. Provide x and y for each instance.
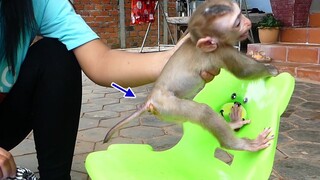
(7, 164)
(209, 75)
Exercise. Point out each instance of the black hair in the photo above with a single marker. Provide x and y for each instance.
(17, 21)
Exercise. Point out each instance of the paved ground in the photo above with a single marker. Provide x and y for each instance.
(298, 155)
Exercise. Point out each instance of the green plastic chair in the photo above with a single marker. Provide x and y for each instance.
(192, 158)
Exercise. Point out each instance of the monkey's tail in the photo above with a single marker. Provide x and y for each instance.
(142, 109)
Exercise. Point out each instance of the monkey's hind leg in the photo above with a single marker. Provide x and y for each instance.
(180, 110)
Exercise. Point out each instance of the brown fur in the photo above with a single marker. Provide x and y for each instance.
(180, 80)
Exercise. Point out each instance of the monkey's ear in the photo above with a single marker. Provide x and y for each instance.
(207, 44)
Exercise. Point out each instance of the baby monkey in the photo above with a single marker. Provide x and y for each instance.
(214, 29)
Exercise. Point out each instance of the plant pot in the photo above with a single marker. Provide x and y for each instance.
(268, 35)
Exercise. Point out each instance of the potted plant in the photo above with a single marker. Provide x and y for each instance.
(268, 29)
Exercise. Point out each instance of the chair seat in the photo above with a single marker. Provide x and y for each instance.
(129, 161)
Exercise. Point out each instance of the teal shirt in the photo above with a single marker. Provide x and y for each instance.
(55, 19)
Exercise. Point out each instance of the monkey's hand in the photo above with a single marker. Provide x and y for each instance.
(236, 120)
(272, 69)
(261, 142)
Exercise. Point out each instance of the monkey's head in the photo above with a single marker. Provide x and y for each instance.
(218, 22)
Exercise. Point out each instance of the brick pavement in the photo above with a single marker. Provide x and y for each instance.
(297, 157)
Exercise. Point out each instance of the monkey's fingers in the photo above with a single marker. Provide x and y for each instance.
(236, 118)
(262, 141)
(244, 122)
(264, 135)
(260, 147)
(236, 109)
(236, 125)
(236, 113)
(266, 132)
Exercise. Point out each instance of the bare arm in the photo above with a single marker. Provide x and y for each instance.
(104, 65)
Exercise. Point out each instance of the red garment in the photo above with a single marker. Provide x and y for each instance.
(142, 11)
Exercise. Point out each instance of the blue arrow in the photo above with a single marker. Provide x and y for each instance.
(128, 92)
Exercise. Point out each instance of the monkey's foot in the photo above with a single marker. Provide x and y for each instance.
(262, 141)
(236, 120)
(152, 109)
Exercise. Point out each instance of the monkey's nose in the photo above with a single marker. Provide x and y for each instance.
(237, 103)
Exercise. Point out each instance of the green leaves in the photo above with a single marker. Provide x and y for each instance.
(269, 21)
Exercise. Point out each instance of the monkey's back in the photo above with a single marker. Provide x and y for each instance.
(181, 75)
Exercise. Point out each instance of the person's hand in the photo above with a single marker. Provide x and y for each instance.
(7, 165)
(208, 76)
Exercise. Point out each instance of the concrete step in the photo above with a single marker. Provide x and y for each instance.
(303, 71)
(289, 52)
(298, 50)
(314, 19)
(309, 35)
(301, 60)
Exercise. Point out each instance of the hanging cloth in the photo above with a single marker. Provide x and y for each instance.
(142, 11)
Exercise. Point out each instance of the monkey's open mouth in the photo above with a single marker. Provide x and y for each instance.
(244, 36)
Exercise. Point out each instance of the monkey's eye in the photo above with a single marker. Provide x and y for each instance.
(233, 96)
(245, 100)
(237, 23)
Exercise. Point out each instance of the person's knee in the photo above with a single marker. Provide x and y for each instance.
(47, 45)
(52, 53)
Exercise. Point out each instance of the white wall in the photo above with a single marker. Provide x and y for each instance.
(263, 5)
(315, 6)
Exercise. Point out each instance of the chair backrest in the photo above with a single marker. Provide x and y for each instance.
(266, 101)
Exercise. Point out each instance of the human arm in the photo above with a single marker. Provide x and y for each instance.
(100, 63)
(7, 164)
(104, 65)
